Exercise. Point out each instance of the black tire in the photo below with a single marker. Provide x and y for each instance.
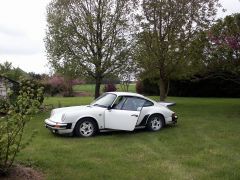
(90, 129)
(155, 123)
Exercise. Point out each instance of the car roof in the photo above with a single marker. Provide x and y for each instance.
(126, 94)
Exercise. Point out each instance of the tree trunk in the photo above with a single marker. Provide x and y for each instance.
(162, 88)
(97, 87)
(69, 90)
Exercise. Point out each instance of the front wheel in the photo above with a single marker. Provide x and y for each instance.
(86, 128)
(155, 123)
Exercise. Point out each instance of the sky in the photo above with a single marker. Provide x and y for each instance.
(23, 27)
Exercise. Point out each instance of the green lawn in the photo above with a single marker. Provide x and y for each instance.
(204, 145)
(90, 88)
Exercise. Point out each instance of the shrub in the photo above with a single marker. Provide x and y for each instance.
(3, 106)
(150, 87)
(109, 88)
(59, 85)
(208, 85)
(19, 112)
(54, 85)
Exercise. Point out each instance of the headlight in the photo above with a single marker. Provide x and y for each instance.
(63, 118)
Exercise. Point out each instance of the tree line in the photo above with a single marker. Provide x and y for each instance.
(167, 39)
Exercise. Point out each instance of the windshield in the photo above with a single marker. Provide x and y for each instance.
(105, 100)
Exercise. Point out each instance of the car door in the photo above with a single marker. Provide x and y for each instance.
(124, 113)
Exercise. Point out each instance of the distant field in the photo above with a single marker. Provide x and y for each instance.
(90, 88)
(204, 145)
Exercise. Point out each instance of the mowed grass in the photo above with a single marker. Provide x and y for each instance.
(204, 145)
(90, 88)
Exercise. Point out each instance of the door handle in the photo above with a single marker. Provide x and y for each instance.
(134, 115)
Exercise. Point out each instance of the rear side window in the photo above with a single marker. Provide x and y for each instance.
(148, 103)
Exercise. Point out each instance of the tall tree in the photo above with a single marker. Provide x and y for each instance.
(223, 45)
(90, 34)
(218, 50)
(168, 29)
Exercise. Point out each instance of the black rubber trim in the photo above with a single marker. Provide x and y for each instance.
(144, 121)
(69, 126)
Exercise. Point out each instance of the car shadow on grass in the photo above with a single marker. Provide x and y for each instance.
(135, 132)
(106, 133)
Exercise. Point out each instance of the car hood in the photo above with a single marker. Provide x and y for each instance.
(69, 109)
(57, 114)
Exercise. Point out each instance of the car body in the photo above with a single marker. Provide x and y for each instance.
(111, 111)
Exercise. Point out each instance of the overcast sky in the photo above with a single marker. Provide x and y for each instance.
(22, 30)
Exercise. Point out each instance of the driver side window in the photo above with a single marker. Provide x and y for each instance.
(133, 104)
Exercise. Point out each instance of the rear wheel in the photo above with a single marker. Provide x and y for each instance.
(86, 128)
(155, 123)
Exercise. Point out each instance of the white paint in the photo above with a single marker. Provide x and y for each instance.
(108, 119)
(121, 119)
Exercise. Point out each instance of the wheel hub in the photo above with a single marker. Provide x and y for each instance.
(86, 129)
(156, 124)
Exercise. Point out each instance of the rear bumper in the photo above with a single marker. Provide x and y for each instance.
(56, 127)
(174, 118)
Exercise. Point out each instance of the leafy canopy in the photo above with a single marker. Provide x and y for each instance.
(89, 37)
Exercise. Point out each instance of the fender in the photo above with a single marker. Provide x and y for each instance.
(159, 114)
(89, 118)
(97, 117)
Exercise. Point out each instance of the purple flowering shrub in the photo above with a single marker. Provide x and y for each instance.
(109, 88)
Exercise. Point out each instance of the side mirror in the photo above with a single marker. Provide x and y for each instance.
(109, 107)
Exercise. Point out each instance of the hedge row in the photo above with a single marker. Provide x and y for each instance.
(210, 85)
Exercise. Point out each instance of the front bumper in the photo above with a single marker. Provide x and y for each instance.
(57, 127)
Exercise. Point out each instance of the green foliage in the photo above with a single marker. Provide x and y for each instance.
(6, 69)
(222, 50)
(3, 106)
(150, 87)
(210, 84)
(168, 29)
(19, 112)
(88, 38)
(216, 52)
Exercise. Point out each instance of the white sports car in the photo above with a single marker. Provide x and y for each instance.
(111, 111)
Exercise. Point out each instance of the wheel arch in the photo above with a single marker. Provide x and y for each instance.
(87, 117)
(157, 114)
